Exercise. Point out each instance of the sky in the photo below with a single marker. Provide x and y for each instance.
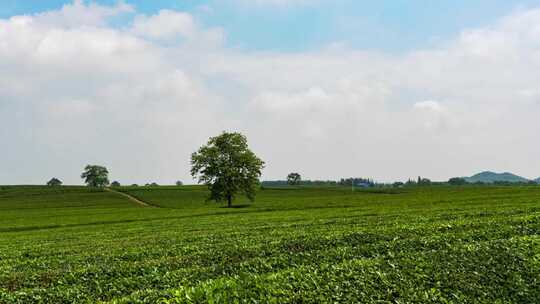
(383, 89)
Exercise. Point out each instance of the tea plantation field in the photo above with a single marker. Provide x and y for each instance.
(307, 245)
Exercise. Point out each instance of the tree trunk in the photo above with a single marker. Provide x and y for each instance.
(229, 201)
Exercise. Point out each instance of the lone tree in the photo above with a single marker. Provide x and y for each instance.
(294, 179)
(95, 176)
(54, 182)
(227, 166)
(179, 183)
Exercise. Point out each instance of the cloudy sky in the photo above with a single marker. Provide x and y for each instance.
(388, 90)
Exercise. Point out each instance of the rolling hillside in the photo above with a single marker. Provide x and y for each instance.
(491, 177)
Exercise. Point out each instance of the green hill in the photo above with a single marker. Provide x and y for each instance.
(491, 177)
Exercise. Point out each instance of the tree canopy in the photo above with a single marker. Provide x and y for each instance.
(54, 182)
(95, 176)
(294, 179)
(457, 181)
(228, 167)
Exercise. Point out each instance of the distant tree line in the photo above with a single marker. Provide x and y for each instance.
(457, 181)
(357, 181)
(370, 183)
(228, 168)
(225, 165)
(420, 181)
(98, 177)
(284, 183)
(294, 179)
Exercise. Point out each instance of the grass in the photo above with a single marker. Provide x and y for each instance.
(305, 245)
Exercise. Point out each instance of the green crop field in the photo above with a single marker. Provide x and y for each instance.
(307, 245)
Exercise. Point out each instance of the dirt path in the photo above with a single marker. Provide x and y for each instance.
(131, 198)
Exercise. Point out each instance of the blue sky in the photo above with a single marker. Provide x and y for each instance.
(430, 88)
(392, 26)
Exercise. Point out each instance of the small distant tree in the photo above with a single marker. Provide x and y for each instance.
(179, 183)
(95, 176)
(457, 181)
(134, 185)
(115, 184)
(294, 179)
(227, 166)
(54, 182)
(398, 184)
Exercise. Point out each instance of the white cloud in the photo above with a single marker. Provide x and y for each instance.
(277, 3)
(434, 116)
(430, 106)
(170, 26)
(165, 25)
(315, 98)
(79, 13)
(140, 99)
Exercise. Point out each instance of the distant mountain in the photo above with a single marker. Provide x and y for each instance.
(491, 177)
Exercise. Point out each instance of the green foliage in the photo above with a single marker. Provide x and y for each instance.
(227, 166)
(304, 183)
(95, 176)
(115, 184)
(54, 182)
(357, 181)
(423, 181)
(179, 183)
(457, 181)
(294, 179)
(308, 245)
